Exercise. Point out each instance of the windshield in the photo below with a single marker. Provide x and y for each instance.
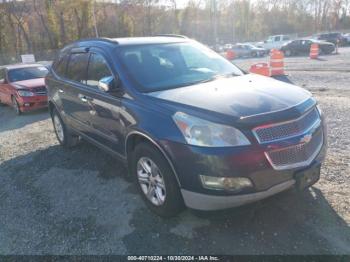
(165, 66)
(27, 73)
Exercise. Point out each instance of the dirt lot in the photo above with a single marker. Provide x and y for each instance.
(56, 201)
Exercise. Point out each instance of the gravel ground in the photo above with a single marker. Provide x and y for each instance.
(58, 201)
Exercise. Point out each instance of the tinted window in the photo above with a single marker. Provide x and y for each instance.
(27, 73)
(277, 38)
(165, 66)
(98, 69)
(286, 38)
(77, 67)
(60, 67)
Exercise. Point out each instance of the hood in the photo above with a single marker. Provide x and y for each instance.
(240, 96)
(28, 84)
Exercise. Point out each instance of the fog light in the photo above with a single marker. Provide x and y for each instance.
(226, 183)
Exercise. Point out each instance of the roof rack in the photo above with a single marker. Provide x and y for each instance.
(172, 35)
(104, 39)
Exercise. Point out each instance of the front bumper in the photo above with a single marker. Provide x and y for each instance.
(32, 103)
(250, 162)
(208, 202)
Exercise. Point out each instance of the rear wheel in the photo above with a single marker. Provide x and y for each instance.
(64, 136)
(156, 181)
(15, 106)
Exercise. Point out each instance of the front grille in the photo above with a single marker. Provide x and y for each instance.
(41, 90)
(297, 155)
(288, 129)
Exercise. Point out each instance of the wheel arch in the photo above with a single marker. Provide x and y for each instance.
(136, 137)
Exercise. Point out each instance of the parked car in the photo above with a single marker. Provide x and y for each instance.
(302, 46)
(274, 42)
(333, 38)
(228, 46)
(191, 127)
(347, 36)
(248, 50)
(23, 86)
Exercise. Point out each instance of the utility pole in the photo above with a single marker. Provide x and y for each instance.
(94, 18)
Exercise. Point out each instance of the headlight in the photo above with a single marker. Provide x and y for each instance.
(25, 93)
(200, 132)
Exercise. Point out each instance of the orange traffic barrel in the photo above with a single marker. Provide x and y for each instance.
(276, 62)
(314, 51)
(260, 69)
(230, 55)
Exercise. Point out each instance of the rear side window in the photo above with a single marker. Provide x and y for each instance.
(60, 66)
(77, 67)
(98, 69)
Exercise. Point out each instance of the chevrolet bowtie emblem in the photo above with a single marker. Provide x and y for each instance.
(306, 139)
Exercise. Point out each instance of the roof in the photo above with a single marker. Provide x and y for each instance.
(17, 66)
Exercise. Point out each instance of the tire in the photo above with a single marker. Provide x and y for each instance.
(64, 136)
(15, 106)
(153, 174)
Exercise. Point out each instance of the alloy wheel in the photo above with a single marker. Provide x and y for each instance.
(151, 181)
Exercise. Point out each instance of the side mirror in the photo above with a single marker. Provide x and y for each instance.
(106, 84)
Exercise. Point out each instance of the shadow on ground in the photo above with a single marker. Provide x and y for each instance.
(11, 121)
(60, 201)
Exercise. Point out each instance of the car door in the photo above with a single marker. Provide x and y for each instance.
(239, 51)
(74, 101)
(305, 46)
(296, 46)
(107, 129)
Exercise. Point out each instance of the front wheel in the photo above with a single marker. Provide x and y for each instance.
(15, 106)
(64, 136)
(156, 181)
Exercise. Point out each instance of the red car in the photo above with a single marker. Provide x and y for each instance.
(22, 86)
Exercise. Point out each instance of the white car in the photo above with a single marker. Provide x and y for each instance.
(274, 42)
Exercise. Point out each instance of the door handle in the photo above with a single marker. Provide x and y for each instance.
(85, 99)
